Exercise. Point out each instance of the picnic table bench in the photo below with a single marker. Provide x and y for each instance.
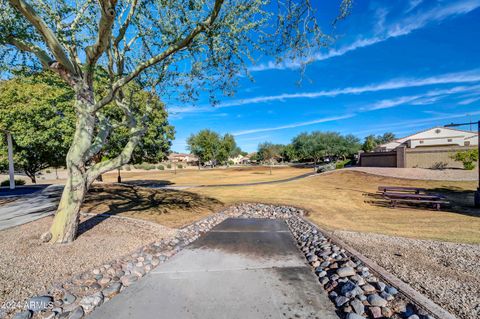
(415, 190)
(405, 195)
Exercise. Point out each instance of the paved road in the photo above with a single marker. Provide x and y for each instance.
(243, 268)
(30, 207)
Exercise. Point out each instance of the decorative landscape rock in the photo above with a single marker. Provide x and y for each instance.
(112, 289)
(23, 315)
(376, 300)
(349, 283)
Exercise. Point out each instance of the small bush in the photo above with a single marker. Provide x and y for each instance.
(161, 167)
(439, 165)
(48, 171)
(149, 167)
(169, 165)
(468, 158)
(128, 168)
(180, 166)
(230, 162)
(18, 182)
(341, 164)
(326, 168)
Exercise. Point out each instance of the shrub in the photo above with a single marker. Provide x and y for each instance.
(326, 168)
(439, 165)
(180, 166)
(341, 164)
(149, 166)
(161, 167)
(17, 182)
(169, 165)
(230, 162)
(48, 171)
(128, 168)
(468, 158)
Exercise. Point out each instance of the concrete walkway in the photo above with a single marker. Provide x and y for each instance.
(243, 268)
(30, 207)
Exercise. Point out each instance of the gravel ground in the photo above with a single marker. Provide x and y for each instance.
(28, 267)
(448, 273)
(421, 173)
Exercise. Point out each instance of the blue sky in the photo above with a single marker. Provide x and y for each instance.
(398, 66)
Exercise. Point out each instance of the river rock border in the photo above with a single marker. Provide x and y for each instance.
(351, 286)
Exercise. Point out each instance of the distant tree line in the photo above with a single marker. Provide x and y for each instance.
(213, 149)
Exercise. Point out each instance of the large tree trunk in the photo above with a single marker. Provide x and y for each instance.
(65, 223)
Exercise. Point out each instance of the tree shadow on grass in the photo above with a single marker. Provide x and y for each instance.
(144, 203)
(461, 201)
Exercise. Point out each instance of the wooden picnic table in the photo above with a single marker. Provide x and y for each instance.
(416, 190)
(413, 196)
(396, 198)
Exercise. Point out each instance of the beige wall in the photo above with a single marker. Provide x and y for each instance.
(426, 157)
(423, 157)
(378, 159)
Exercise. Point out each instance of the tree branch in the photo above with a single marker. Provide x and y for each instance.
(104, 32)
(47, 34)
(177, 46)
(126, 24)
(104, 130)
(44, 58)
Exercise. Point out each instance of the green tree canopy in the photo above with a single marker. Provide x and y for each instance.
(372, 141)
(37, 109)
(209, 146)
(318, 145)
(268, 152)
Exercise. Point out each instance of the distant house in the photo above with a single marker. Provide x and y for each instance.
(437, 136)
(237, 160)
(425, 149)
(183, 158)
(242, 160)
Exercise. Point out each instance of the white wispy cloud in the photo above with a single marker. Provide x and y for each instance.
(469, 101)
(294, 125)
(415, 123)
(401, 83)
(426, 98)
(402, 27)
(469, 76)
(412, 4)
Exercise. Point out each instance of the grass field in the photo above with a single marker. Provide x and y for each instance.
(340, 201)
(337, 201)
(191, 176)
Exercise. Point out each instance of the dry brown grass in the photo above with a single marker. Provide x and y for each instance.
(171, 208)
(209, 176)
(338, 201)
